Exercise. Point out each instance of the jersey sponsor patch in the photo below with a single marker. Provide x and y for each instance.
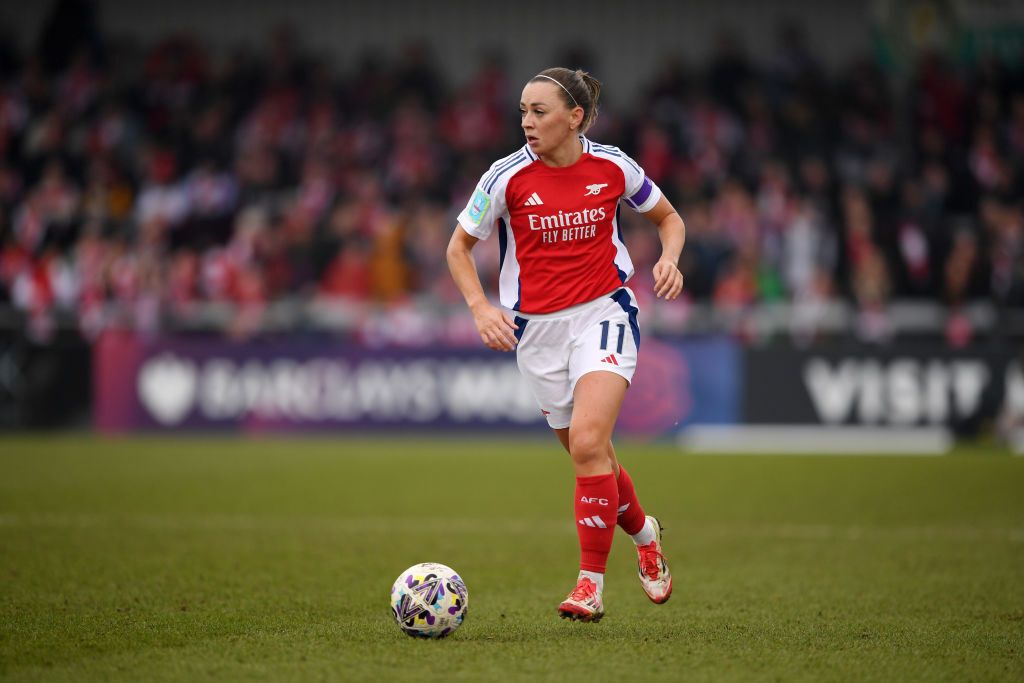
(478, 207)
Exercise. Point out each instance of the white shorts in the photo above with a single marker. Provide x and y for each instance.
(556, 349)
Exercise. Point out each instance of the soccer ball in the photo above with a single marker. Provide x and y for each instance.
(429, 600)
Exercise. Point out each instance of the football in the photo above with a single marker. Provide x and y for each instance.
(429, 600)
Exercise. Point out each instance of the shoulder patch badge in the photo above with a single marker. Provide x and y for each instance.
(477, 209)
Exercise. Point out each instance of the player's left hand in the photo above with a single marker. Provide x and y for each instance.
(668, 281)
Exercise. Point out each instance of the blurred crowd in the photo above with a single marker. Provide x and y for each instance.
(141, 185)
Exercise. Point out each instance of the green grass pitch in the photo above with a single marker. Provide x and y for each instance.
(213, 559)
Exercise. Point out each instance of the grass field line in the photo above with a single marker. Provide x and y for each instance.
(472, 525)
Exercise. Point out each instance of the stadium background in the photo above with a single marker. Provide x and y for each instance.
(239, 394)
(850, 178)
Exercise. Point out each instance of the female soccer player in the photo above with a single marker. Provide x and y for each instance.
(564, 266)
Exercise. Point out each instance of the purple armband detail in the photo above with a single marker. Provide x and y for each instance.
(643, 193)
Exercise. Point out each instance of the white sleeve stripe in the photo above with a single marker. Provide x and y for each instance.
(498, 164)
(615, 152)
(489, 182)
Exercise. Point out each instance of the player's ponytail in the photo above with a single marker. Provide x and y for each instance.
(579, 89)
(593, 87)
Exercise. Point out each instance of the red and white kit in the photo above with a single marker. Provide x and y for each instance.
(558, 228)
(564, 264)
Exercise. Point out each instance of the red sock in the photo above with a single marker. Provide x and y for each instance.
(631, 515)
(597, 499)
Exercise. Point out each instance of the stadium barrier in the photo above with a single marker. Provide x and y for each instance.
(299, 385)
(711, 393)
(899, 398)
(44, 385)
(899, 385)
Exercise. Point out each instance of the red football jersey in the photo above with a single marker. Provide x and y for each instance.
(558, 228)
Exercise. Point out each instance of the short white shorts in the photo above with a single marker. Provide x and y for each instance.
(556, 349)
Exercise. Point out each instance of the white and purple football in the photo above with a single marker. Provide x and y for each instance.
(429, 600)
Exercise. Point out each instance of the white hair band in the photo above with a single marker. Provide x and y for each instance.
(559, 84)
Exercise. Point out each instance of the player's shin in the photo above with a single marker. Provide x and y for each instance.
(631, 515)
(597, 500)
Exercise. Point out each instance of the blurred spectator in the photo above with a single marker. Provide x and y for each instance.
(138, 195)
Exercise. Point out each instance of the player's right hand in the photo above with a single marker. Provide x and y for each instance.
(495, 327)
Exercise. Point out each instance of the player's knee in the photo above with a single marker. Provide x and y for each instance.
(587, 447)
